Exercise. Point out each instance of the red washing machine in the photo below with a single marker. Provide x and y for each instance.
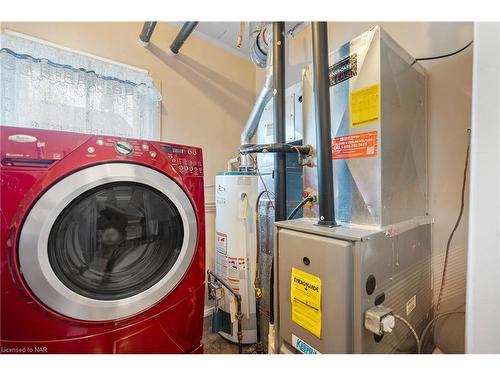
(103, 244)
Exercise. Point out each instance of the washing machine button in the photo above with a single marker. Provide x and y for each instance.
(124, 148)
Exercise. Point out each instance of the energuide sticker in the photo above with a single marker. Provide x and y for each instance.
(365, 105)
(305, 295)
(359, 145)
(303, 346)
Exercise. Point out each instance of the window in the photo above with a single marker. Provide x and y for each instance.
(45, 86)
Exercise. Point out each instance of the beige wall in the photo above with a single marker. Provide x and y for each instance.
(207, 91)
(449, 116)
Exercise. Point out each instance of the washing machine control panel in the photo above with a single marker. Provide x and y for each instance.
(185, 160)
(122, 147)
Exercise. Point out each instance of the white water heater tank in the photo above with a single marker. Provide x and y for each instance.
(235, 247)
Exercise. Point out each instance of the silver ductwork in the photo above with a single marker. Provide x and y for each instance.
(260, 37)
(261, 55)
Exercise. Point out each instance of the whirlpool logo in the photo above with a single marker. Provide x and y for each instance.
(22, 138)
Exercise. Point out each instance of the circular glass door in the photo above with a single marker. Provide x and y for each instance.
(115, 241)
(108, 241)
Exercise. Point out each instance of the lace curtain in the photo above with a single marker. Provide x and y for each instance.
(49, 88)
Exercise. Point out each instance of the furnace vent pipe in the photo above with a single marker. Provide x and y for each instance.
(147, 31)
(265, 93)
(279, 119)
(323, 123)
(184, 33)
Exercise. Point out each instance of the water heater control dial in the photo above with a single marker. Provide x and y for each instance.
(124, 148)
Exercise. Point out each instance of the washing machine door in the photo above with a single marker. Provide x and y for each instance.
(108, 241)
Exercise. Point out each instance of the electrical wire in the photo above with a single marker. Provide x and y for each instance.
(299, 206)
(442, 56)
(445, 266)
(430, 324)
(410, 327)
(420, 341)
(447, 253)
(450, 238)
(263, 183)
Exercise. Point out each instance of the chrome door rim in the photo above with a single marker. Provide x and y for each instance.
(33, 242)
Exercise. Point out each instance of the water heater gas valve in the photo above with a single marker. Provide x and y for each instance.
(379, 320)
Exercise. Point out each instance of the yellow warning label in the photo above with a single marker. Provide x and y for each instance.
(365, 105)
(305, 295)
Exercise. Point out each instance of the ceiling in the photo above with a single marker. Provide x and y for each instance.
(225, 34)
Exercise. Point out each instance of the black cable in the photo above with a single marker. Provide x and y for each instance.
(459, 219)
(299, 206)
(420, 341)
(430, 324)
(410, 327)
(442, 56)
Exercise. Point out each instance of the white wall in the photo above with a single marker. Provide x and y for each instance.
(483, 283)
(449, 113)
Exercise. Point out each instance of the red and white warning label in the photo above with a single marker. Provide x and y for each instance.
(359, 145)
(221, 243)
